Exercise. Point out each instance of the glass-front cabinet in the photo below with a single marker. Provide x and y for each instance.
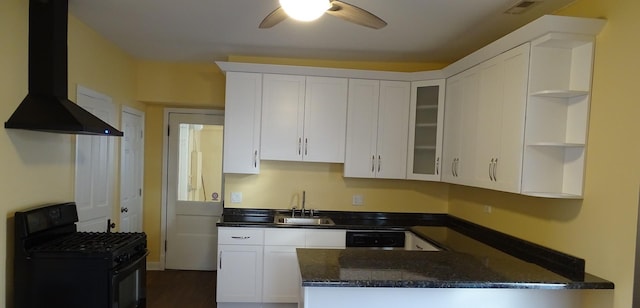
(425, 130)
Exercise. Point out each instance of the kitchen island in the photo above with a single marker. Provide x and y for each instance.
(466, 273)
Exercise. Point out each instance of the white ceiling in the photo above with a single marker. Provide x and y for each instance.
(208, 30)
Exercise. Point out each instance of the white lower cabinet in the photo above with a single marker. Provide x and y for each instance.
(258, 267)
(240, 260)
(414, 242)
(281, 278)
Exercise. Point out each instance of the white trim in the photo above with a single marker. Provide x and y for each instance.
(327, 72)
(165, 170)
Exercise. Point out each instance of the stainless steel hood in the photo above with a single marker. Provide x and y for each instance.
(46, 107)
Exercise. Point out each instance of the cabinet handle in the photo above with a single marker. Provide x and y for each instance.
(491, 170)
(240, 237)
(455, 166)
(379, 162)
(373, 163)
(299, 146)
(306, 145)
(437, 166)
(220, 259)
(495, 170)
(255, 159)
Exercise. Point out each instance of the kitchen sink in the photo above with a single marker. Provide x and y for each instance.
(313, 220)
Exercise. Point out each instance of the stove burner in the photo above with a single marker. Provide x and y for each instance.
(93, 242)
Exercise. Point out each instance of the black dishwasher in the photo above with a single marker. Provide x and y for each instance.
(376, 239)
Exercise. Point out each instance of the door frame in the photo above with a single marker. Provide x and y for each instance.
(165, 172)
(141, 114)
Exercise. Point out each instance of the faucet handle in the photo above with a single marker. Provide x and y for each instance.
(312, 212)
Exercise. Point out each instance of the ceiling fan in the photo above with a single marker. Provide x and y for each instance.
(340, 9)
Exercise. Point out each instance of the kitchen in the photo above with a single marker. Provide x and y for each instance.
(606, 215)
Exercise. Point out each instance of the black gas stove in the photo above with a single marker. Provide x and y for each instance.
(57, 266)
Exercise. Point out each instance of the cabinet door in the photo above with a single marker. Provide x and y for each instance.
(393, 129)
(325, 119)
(282, 117)
(239, 273)
(242, 123)
(460, 125)
(362, 128)
(425, 130)
(281, 275)
(501, 113)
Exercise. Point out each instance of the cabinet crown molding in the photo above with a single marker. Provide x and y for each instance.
(527, 33)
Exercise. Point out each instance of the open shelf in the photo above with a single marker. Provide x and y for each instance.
(560, 93)
(557, 144)
(551, 195)
(557, 115)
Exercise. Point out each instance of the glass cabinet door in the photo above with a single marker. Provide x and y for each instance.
(425, 130)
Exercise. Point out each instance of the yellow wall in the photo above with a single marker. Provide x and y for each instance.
(193, 85)
(152, 195)
(602, 227)
(38, 167)
(280, 184)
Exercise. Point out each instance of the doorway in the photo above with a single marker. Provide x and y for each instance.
(94, 165)
(193, 188)
(131, 169)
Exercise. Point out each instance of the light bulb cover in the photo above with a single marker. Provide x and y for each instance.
(305, 10)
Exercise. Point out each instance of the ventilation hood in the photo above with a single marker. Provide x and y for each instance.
(46, 107)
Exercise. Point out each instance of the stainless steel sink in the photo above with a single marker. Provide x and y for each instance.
(314, 220)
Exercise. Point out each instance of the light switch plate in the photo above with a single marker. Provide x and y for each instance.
(236, 197)
(358, 200)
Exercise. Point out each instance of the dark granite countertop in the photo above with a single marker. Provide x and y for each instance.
(472, 256)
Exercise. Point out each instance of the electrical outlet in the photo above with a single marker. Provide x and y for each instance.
(358, 200)
(236, 197)
(487, 209)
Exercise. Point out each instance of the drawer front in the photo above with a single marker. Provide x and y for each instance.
(326, 238)
(284, 237)
(240, 236)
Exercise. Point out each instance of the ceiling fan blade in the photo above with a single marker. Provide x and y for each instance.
(273, 18)
(355, 14)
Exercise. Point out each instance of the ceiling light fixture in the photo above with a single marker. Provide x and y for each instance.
(305, 10)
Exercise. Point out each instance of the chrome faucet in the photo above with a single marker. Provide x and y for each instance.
(304, 198)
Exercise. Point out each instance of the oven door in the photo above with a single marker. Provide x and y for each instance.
(128, 283)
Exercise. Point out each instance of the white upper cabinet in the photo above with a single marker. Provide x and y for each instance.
(557, 115)
(282, 117)
(242, 123)
(303, 118)
(499, 134)
(484, 123)
(425, 130)
(377, 126)
(458, 156)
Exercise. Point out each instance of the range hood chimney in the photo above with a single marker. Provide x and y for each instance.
(46, 107)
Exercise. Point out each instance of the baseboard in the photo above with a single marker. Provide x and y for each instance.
(155, 266)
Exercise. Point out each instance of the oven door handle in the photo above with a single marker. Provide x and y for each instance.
(132, 265)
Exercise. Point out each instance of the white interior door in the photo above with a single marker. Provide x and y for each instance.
(194, 190)
(94, 166)
(131, 167)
